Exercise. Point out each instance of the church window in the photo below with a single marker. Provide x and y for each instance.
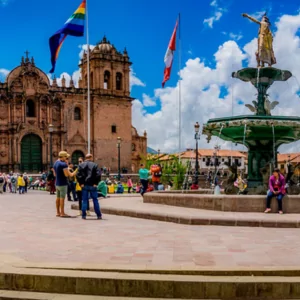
(119, 81)
(106, 80)
(77, 114)
(113, 129)
(30, 109)
(133, 147)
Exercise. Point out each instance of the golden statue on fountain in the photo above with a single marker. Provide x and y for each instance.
(265, 53)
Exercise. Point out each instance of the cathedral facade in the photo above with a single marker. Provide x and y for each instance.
(39, 118)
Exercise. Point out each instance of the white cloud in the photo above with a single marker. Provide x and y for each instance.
(134, 80)
(3, 74)
(258, 15)
(217, 14)
(235, 37)
(84, 49)
(202, 85)
(148, 101)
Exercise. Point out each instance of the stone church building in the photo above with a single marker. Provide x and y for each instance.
(29, 103)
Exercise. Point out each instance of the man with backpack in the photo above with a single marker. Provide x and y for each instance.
(156, 173)
(13, 182)
(88, 176)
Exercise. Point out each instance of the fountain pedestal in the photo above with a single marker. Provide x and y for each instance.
(259, 157)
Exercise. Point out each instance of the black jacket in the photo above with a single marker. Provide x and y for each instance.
(88, 174)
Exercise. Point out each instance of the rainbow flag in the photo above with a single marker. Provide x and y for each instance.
(74, 26)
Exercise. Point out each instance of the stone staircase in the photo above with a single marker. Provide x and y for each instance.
(34, 283)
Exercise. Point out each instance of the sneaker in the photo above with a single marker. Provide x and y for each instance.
(80, 213)
(99, 218)
(268, 210)
(88, 213)
(280, 212)
(83, 218)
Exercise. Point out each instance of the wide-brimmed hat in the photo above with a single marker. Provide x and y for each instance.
(63, 154)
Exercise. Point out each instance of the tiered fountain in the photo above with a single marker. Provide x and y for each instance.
(261, 133)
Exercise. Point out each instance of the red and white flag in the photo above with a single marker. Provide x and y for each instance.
(169, 56)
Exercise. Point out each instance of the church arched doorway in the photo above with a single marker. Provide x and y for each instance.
(31, 153)
(76, 154)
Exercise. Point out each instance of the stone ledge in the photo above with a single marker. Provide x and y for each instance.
(205, 220)
(231, 203)
(150, 285)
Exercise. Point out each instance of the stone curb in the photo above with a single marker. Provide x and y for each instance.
(150, 285)
(225, 221)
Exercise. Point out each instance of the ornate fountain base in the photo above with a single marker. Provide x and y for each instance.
(256, 133)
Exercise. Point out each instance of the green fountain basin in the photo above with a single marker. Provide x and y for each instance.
(256, 133)
(258, 129)
(263, 75)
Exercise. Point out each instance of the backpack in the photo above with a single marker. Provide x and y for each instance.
(13, 180)
(1, 179)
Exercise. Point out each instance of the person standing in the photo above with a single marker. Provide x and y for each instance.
(156, 173)
(21, 184)
(2, 181)
(61, 172)
(26, 182)
(88, 176)
(51, 181)
(276, 189)
(79, 192)
(13, 183)
(129, 184)
(71, 185)
(144, 173)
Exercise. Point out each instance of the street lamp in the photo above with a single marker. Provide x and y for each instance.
(51, 129)
(217, 149)
(197, 138)
(158, 153)
(119, 158)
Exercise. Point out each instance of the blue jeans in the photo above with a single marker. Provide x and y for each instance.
(21, 189)
(87, 192)
(279, 200)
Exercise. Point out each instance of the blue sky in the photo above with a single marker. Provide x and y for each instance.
(144, 27)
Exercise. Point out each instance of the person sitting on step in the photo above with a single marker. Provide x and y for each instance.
(276, 189)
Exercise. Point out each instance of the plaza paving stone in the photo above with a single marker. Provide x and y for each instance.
(30, 232)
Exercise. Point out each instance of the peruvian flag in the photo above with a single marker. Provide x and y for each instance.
(169, 56)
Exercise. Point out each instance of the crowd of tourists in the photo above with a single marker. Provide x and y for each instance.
(14, 183)
(83, 182)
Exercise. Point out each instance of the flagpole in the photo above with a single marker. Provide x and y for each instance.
(179, 84)
(88, 80)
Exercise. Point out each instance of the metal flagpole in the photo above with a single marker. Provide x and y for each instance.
(88, 80)
(179, 85)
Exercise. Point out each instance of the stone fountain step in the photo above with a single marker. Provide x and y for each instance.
(14, 295)
(134, 207)
(68, 283)
(227, 203)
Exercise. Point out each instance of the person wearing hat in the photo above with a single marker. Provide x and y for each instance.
(62, 173)
(88, 176)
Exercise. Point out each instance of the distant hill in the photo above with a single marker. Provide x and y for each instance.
(151, 151)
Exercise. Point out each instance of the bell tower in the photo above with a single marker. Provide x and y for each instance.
(109, 70)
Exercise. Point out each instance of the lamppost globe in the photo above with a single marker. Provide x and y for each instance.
(197, 127)
(51, 128)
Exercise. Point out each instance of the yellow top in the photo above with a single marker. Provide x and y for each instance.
(77, 187)
(21, 181)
